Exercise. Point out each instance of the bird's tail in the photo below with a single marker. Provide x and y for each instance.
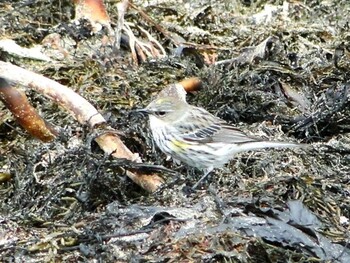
(248, 146)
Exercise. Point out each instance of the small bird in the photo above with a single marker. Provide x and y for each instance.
(197, 138)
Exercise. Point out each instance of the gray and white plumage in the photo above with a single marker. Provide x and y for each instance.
(194, 136)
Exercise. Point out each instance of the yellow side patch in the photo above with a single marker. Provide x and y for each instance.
(178, 145)
(160, 101)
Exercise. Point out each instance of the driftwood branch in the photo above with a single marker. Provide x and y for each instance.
(80, 108)
(83, 111)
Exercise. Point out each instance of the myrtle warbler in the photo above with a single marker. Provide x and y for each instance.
(194, 136)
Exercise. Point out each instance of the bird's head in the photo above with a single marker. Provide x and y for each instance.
(169, 109)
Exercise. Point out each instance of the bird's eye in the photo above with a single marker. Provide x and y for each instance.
(160, 113)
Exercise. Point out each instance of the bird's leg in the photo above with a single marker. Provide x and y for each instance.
(204, 177)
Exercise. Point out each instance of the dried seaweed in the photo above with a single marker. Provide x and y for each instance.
(274, 68)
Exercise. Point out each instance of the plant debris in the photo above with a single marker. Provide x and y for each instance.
(275, 69)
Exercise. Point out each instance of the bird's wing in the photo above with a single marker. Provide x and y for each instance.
(206, 128)
(230, 134)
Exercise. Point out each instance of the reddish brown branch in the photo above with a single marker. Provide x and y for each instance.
(191, 84)
(16, 101)
(92, 10)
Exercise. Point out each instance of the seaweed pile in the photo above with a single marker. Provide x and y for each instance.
(276, 69)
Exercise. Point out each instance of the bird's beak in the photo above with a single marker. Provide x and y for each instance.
(144, 111)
